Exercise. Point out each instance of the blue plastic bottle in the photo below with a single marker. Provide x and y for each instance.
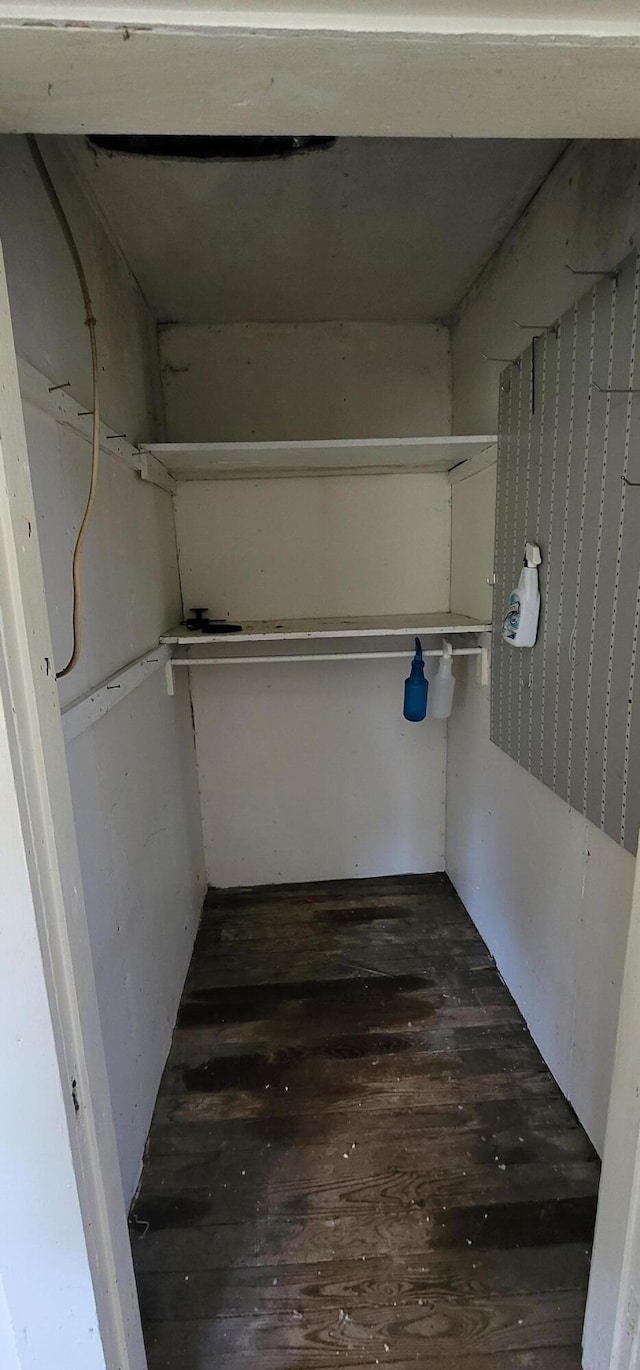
(415, 689)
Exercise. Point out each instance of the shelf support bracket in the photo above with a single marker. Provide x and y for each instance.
(483, 665)
(170, 678)
(82, 713)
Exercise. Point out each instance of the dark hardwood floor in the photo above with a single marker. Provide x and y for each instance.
(358, 1156)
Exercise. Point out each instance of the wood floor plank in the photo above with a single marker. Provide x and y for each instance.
(393, 1282)
(348, 1062)
(173, 1356)
(370, 1098)
(483, 1327)
(408, 998)
(173, 1239)
(469, 1028)
(358, 1155)
(266, 1163)
(446, 1017)
(377, 1194)
(510, 1123)
(448, 965)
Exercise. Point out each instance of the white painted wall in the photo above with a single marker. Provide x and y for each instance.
(132, 775)
(587, 214)
(45, 299)
(472, 529)
(308, 771)
(65, 1253)
(549, 892)
(308, 380)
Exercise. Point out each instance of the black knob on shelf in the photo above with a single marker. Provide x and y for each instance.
(199, 623)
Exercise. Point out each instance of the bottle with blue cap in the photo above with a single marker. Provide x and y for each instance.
(416, 689)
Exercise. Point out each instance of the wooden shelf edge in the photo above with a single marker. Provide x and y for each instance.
(191, 461)
(300, 630)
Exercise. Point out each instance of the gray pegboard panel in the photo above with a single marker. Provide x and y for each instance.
(520, 665)
(538, 654)
(569, 440)
(567, 460)
(623, 608)
(600, 300)
(518, 444)
(506, 409)
(571, 757)
(615, 406)
(552, 535)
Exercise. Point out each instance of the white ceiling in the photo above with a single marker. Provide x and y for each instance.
(374, 228)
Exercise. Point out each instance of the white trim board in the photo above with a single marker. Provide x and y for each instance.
(313, 457)
(578, 21)
(611, 1331)
(82, 713)
(54, 398)
(64, 68)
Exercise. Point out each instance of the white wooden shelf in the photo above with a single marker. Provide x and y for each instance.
(330, 640)
(314, 629)
(336, 456)
(82, 713)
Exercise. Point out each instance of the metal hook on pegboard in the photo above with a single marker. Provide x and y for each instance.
(608, 275)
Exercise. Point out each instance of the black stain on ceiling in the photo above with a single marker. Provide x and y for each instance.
(206, 148)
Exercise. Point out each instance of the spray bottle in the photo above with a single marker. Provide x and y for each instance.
(415, 689)
(443, 686)
(520, 627)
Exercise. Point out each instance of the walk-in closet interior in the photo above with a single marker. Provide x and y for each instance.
(342, 382)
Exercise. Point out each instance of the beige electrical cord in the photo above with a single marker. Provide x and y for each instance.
(95, 439)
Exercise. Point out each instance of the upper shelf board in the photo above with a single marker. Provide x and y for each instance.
(216, 460)
(301, 629)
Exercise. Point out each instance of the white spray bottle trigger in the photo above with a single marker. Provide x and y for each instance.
(520, 627)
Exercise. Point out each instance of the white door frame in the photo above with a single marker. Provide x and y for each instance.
(384, 68)
(46, 909)
(612, 1325)
(157, 66)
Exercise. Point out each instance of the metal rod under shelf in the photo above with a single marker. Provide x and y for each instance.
(314, 656)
